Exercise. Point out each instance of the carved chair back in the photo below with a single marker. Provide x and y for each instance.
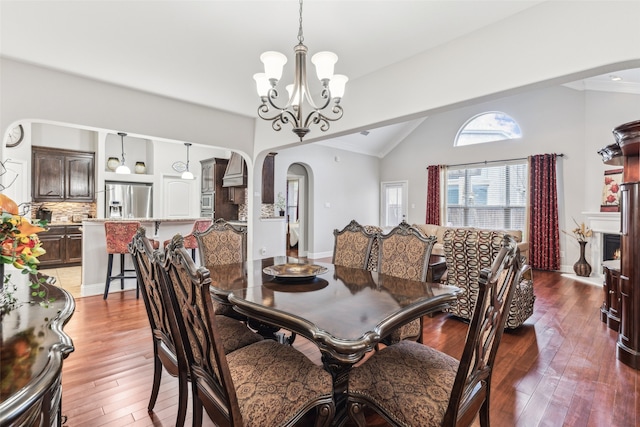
(187, 290)
(221, 243)
(353, 245)
(167, 347)
(405, 252)
(472, 383)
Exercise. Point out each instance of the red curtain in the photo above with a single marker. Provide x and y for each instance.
(433, 195)
(544, 233)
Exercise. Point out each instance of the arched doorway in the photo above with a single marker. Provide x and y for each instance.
(297, 210)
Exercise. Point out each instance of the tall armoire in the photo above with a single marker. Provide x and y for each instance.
(626, 152)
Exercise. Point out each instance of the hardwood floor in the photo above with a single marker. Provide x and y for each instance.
(559, 369)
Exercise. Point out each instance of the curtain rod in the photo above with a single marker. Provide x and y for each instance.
(496, 161)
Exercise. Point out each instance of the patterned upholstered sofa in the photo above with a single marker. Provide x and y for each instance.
(439, 230)
(469, 250)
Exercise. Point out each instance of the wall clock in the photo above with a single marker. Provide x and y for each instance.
(15, 136)
(179, 166)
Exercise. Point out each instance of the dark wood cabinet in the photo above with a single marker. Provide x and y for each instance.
(63, 244)
(62, 175)
(236, 195)
(610, 310)
(626, 152)
(268, 169)
(213, 171)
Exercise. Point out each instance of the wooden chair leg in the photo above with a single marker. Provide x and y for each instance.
(109, 268)
(157, 374)
(183, 395)
(197, 406)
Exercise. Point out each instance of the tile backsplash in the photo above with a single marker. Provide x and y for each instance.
(64, 211)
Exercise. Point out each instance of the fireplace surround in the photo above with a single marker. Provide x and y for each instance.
(601, 223)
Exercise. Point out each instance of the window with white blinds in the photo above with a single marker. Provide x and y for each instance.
(487, 196)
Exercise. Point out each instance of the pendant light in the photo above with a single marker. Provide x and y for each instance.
(187, 174)
(122, 169)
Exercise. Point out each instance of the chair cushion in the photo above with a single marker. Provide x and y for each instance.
(409, 381)
(235, 334)
(351, 250)
(411, 330)
(274, 383)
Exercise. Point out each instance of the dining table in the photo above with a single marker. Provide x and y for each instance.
(345, 311)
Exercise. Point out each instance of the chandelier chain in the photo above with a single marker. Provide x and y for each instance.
(300, 35)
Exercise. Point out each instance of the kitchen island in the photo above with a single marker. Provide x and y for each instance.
(94, 249)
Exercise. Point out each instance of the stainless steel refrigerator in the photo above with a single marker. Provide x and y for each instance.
(128, 200)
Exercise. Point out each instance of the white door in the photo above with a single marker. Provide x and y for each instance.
(179, 198)
(394, 199)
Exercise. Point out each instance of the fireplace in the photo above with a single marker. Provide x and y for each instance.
(610, 246)
(603, 224)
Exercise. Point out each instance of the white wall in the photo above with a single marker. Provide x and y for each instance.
(553, 120)
(350, 187)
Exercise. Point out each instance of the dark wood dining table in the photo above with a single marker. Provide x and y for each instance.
(344, 311)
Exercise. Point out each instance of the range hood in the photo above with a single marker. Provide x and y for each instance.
(236, 173)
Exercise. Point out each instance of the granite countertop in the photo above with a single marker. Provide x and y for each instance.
(99, 220)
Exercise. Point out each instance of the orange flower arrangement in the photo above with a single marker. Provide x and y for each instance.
(21, 247)
(19, 242)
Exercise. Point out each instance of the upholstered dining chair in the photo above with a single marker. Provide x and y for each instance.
(404, 252)
(353, 245)
(263, 384)
(221, 243)
(411, 384)
(167, 346)
(118, 235)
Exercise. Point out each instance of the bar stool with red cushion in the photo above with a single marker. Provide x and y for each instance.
(119, 234)
(190, 241)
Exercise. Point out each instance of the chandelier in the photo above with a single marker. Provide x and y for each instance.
(123, 168)
(293, 111)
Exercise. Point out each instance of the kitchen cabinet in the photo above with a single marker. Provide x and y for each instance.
(268, 169)
(236, 195)
(213, 171)
(62, 175)
(63, 244)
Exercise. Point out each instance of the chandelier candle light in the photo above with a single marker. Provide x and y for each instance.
(332, 89)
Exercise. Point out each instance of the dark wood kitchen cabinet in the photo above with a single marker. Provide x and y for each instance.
(212, 174)
(63, 244)
(62, 175)
(268, 170)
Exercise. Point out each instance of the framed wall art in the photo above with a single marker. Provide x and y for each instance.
(611, 191)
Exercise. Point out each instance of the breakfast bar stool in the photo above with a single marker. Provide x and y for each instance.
(190, 241)
(119, 234)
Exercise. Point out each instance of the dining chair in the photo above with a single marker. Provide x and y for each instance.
(404, 252)
(221, 244)
(352, 246)
(411, 384)
(167, 345)
(263, 384)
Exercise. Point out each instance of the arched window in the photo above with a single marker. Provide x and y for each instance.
(487, 127)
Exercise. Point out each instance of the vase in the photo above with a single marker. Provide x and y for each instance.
(582, 267)
(113, 163)
(140, 167)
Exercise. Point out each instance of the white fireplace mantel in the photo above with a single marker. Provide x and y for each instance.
(600, 223)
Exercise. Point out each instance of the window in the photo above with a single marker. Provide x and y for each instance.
(487, 196)
(488, 127)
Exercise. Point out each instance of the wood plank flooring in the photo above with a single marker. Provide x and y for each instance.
(559, 369)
